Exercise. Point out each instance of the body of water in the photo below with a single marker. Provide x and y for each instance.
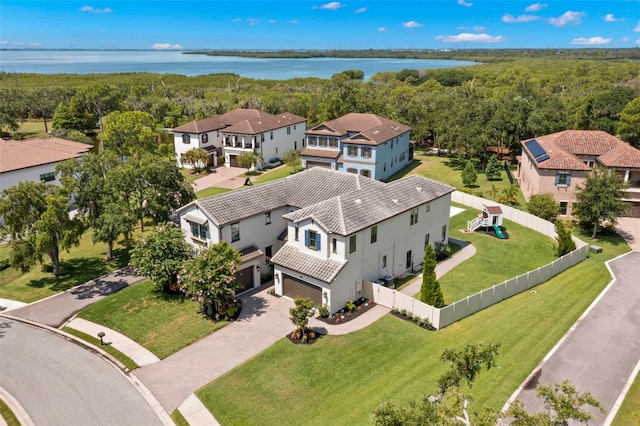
(172, 62)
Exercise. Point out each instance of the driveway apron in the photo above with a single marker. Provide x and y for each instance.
(263, 321)
(602, 351)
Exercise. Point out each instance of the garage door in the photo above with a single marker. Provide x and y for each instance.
(244, 278)
(311, 164)
(233, 161)
(294, 287)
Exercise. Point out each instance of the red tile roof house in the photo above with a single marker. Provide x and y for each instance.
(238, 131)
(366, 144)
(35, 159)
(557, 163)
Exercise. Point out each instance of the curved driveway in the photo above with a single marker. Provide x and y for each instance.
(600, 353)
(60, 383)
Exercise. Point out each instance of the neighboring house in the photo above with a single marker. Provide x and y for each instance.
(557, 163)
(238, 131)
(365, 144)
(35, 159)
(323, 231)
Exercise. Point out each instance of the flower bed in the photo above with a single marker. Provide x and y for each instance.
(351, 311)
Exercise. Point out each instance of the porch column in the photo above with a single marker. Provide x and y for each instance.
(627, 173)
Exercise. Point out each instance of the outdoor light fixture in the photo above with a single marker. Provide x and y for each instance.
(101, 335)
(258, 268)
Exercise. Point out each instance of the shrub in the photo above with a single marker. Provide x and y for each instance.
(323, 310)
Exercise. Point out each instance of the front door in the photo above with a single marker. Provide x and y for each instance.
(409, 257)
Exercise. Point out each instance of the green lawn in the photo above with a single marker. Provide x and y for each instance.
(7, 415)
(208, 192)
(190, 176)
(80, 264)
(30, 129)
(495, 260)
(162, 323)
(128, 362)
(629, 413)
(266, 176)
(448, 170)
(325, 383)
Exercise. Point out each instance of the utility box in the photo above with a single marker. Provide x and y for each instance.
(595, 249)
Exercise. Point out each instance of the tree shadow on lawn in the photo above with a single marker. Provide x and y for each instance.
(415, 163)
(455, 164)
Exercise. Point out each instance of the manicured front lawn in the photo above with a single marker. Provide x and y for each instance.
(342, 379)
(80, 264)
(495, 260)
(162, 323)
(212, 190)
(273, 174)
(128, 362)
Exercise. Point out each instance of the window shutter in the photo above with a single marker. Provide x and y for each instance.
(318, 242)
(306, 237)
(557, 178)
(568, 179)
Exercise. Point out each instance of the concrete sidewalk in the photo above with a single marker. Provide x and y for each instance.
(57, 309)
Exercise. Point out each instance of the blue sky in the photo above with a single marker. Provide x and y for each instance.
(303, 24)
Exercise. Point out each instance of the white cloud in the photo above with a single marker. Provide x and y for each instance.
(166, 46)
(567, 18)
(637, 28)
(609, 17)
(465, 3)
(294, 22)
(382, 30)
(478, 28)
(253, 21)
(638, 42)
(361, 10)
(470, 38)
(510, 19)
(3, 42)
(412, 24)
(625, 39)
(272, 21)
(591, 41)
(236, 20)
(333, 5)
(536, 7)
(92, 9)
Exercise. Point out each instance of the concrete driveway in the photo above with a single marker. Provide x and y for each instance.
(629, 229)
(221, 177)
(264, 320)
(600, 353)
(58, 382)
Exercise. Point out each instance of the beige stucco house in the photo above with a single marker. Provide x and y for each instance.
(557, 163)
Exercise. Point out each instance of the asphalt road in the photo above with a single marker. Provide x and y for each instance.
(602, 351)
(60, 383)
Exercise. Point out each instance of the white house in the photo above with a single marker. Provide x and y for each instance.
(238, 131)
(35, 159)
(322, 230)
(365, 144)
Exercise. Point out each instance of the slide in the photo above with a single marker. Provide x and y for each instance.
(499, 232)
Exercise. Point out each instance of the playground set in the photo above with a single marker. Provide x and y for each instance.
(490, 218)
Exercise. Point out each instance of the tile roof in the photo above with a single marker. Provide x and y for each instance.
(563, 149)
(369, 129)
(320, 268)
(300, 190)
(249, 253)
(356, 210)
(245, 121)
(322, 153)
(16, 155)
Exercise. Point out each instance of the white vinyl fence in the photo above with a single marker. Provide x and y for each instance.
(463, 308)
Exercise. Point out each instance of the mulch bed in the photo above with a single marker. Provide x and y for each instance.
(342, 316)
(309, 341)
(406, 318)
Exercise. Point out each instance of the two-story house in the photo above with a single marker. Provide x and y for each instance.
(265, 223)
(557, 163)
(238, 131)
(365, 144)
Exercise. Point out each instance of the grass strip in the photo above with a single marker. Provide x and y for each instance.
(128, 362)
(7, 415)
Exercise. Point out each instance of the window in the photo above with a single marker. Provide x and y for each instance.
(374, 234)
(428, 207)
(296, 234)
(563, 179)
(323, 142)
(444, 232)
(352, 244)
(414, 217)
(365, 152)
(563, 208)
(289, 130)
(391, 165)
(384, 261)
(235, 232)
(333, 142)
(261, 137)
(402, 156)
(365, 173)
(426, 241)
(352, 151)
(312, 240)
(295, 145)
(47, 177)
(267, 218)
(391, 143)
(384, 168)
(334, 245)
(311, 141)
(352, 170)
(271, 135)
(268, 251)
(199, 231)
(186, 139)
(205, 137)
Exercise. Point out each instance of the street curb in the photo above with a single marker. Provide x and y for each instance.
(155, 405)
(553, 350)
(17, 409)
